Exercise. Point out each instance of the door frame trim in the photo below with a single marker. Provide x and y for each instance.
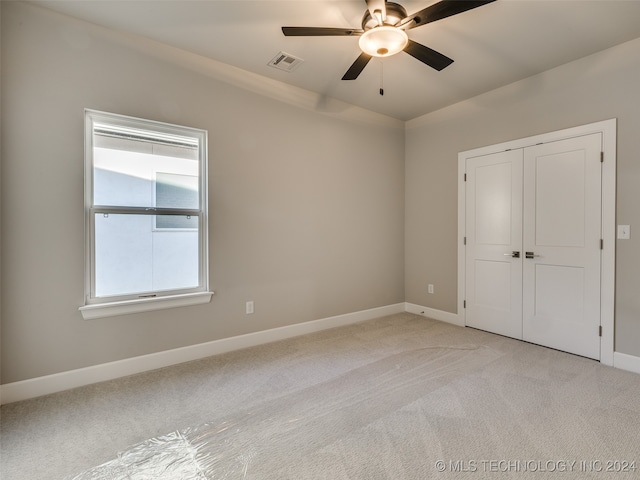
(608, 129)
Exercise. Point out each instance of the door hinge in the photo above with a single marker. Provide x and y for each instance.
(464, 304)
(600, 330)
(464, 240)
(601, 244)
(601, 157)
(465, 177)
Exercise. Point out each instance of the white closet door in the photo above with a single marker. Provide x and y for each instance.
(494, 232)
(562, 232)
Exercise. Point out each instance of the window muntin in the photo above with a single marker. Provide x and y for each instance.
(146, 209)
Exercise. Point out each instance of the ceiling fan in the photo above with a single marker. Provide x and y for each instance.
(383, 32)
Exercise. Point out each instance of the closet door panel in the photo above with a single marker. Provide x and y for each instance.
(494, 231)
(561, 244)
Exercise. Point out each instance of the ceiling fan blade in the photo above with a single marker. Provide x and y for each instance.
(440, 10)
(428, 56)
(357, 67)
(377, 6)
(320, 32)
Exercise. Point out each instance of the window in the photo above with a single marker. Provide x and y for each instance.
(146, 218)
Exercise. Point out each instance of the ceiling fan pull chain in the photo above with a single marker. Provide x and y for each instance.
(381, 78)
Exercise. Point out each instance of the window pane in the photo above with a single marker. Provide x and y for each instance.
(133, 258)
(125, 173)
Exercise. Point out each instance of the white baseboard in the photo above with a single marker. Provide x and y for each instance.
(626, 362)
(435, 314)
(36, 387)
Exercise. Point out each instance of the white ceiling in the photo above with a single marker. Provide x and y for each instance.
(492, 45)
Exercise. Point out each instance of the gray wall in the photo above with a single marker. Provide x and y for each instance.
(598, 87)
(306, 207)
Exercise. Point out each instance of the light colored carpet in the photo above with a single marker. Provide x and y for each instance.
(384, 399)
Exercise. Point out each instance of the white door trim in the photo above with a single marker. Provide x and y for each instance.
(607, 289)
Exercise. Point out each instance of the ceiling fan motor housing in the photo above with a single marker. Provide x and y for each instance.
(395, 13)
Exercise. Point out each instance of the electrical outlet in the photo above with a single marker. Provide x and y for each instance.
(624, 232)
(249, 307)
(430, 288)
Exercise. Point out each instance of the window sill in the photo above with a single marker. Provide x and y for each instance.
(89, 312)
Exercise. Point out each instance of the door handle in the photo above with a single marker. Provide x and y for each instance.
(513, 254)
(530, 255)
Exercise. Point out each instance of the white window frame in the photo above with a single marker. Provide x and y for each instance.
(97, 307)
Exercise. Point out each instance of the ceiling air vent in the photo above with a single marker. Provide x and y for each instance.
(286, 62)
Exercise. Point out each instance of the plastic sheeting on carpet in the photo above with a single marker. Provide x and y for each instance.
(285, 431)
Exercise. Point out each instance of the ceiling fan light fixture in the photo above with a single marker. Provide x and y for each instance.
(383, 41)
